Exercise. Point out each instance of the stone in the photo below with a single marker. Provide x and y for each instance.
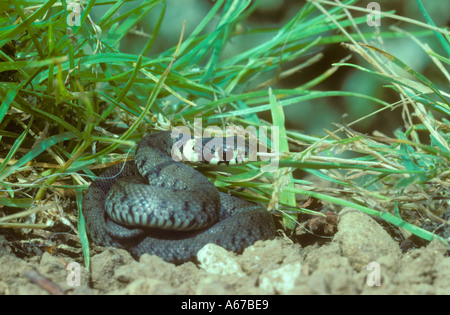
(217, 260)
(362, 240)
(281, 280)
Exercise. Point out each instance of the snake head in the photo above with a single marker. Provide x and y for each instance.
(212, 150)
(230, 150)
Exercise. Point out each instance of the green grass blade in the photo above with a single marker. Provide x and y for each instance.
(82, 230)
(13, 151)
(442, 40)
(36, 151)
(16, 202)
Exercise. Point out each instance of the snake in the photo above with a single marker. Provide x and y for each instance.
(159, 205)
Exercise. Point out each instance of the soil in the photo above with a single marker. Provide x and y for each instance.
(361, 258)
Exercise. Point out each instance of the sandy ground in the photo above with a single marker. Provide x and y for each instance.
(361, 258)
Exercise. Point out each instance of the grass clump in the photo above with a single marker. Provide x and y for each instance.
(72, 103)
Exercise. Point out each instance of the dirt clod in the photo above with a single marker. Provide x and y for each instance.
(361, 259)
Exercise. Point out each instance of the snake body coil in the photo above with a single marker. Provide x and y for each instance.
(159, 206)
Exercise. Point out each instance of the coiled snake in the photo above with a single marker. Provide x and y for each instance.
(159, 206)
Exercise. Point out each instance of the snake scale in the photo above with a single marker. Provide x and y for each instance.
(160, 206)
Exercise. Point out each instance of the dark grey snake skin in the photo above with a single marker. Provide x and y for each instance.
(189, 211)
